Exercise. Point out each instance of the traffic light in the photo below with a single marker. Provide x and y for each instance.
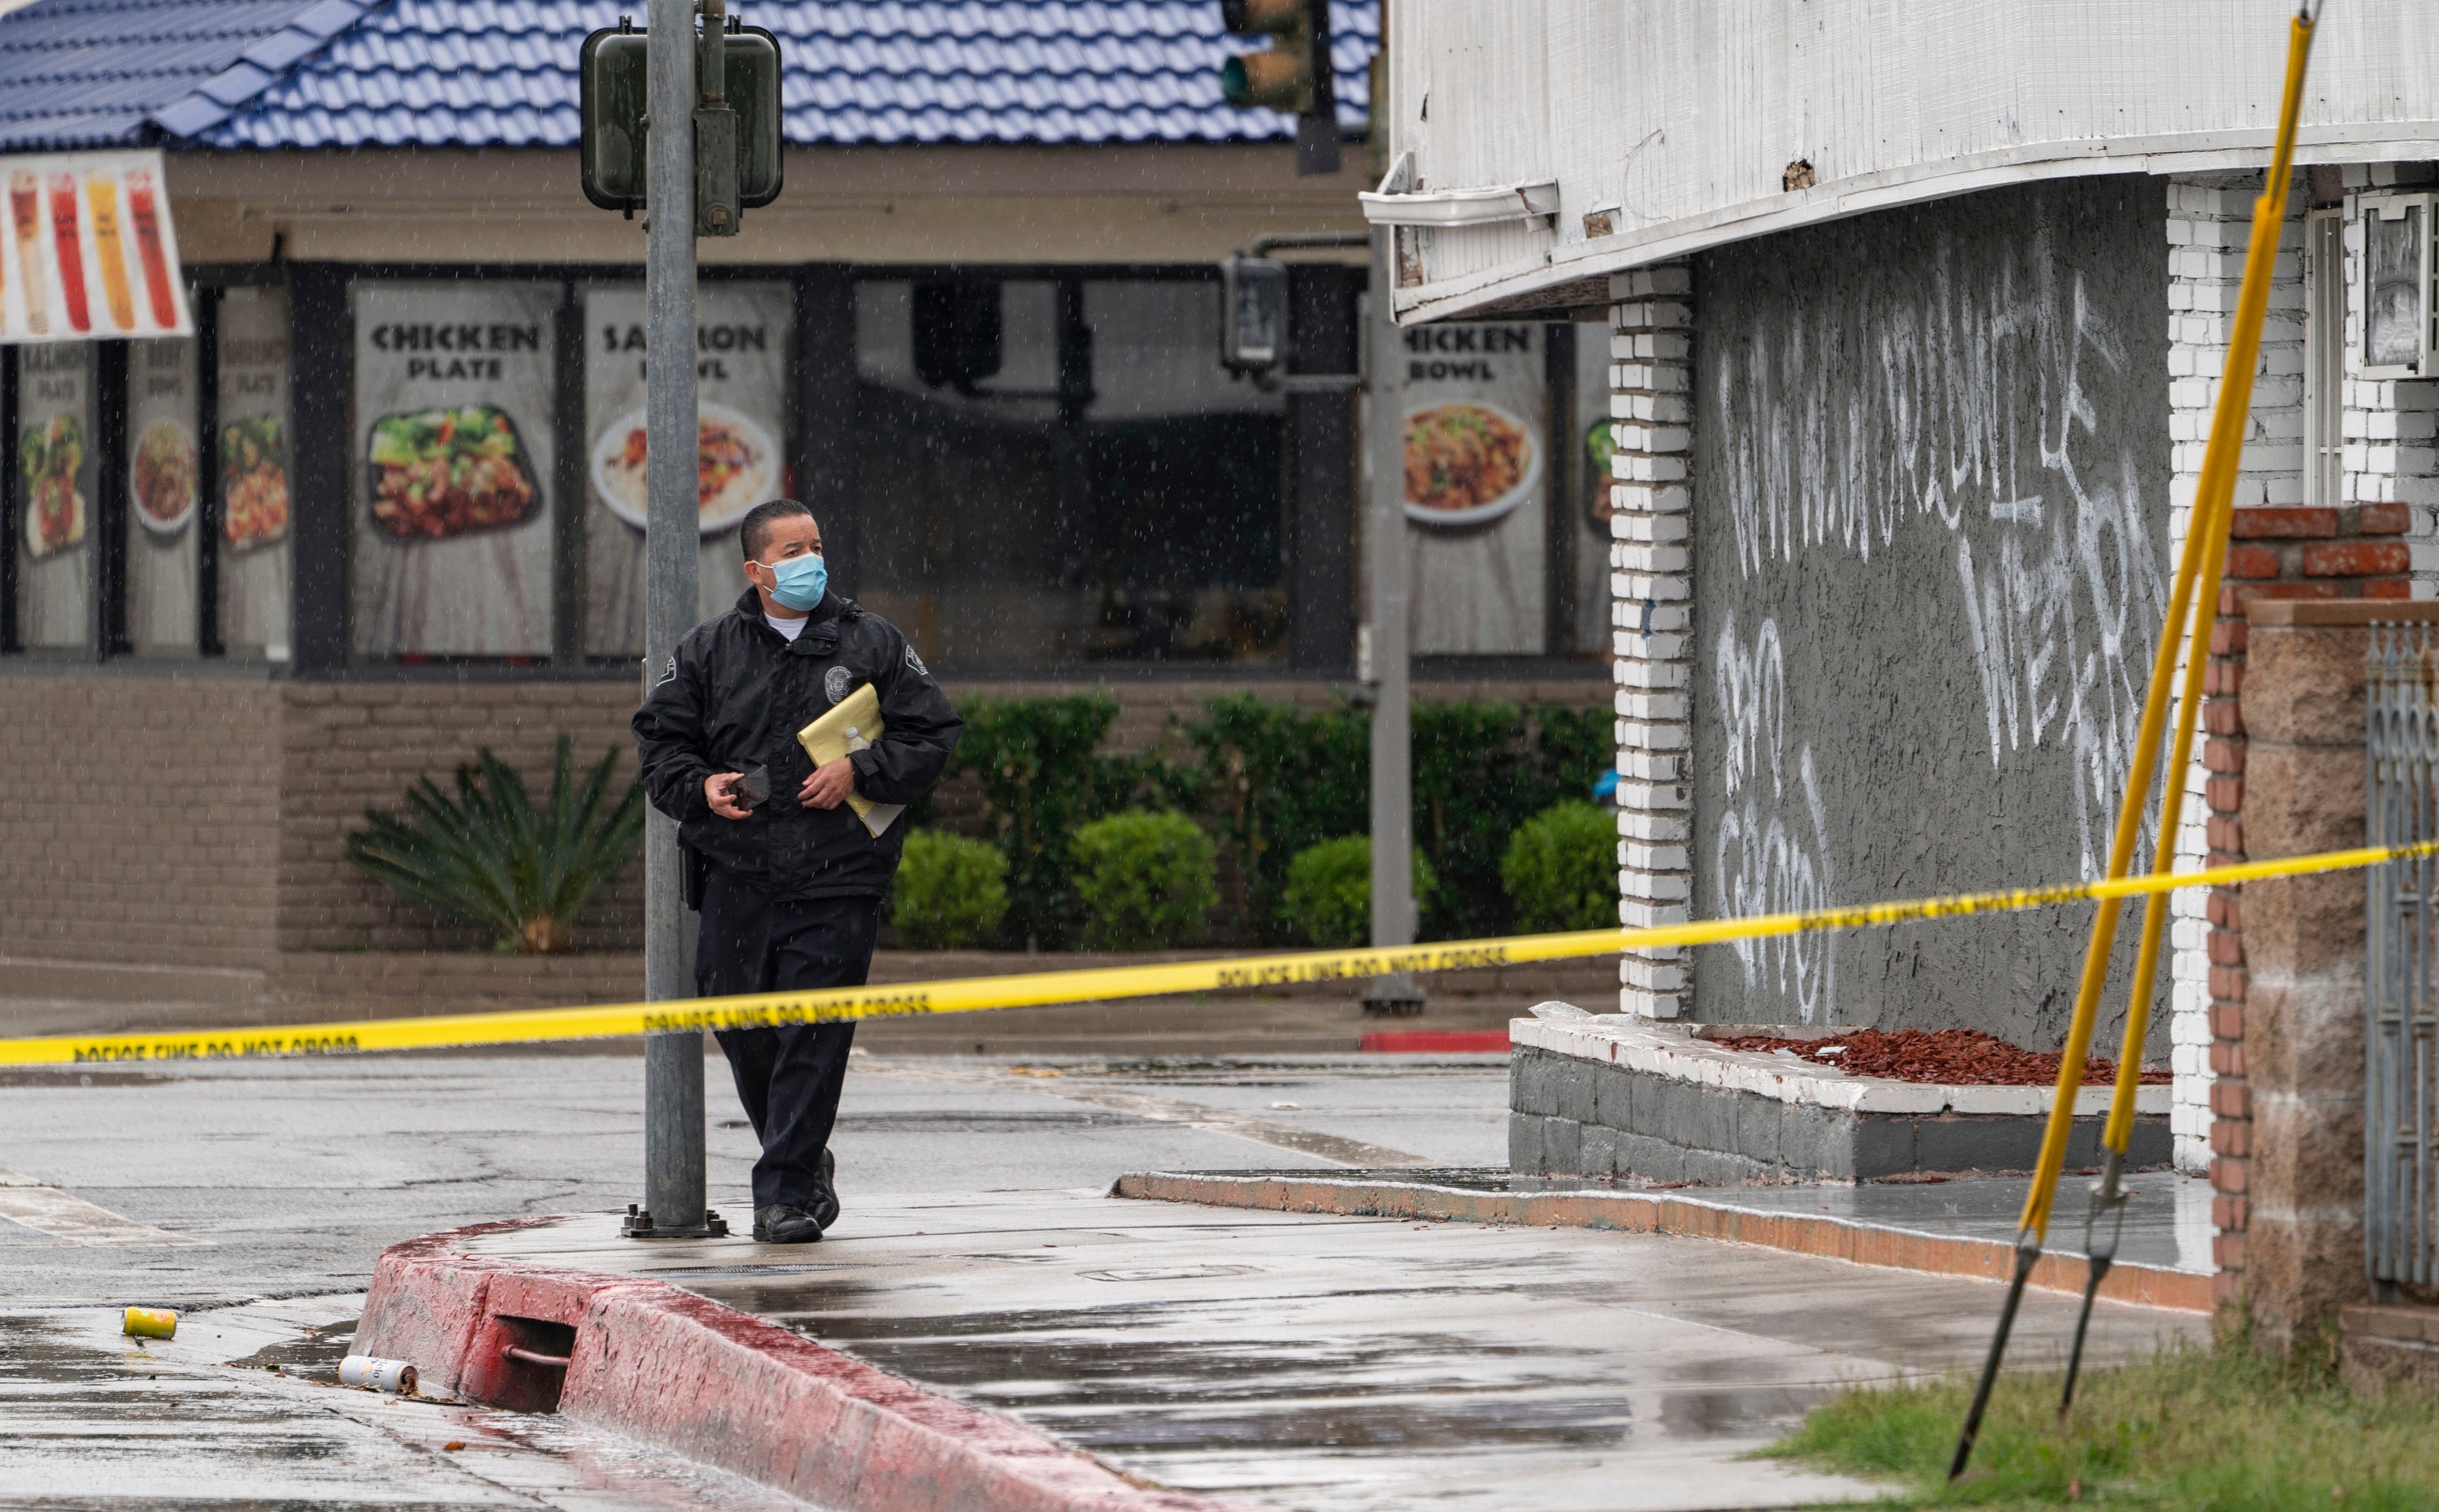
(1292, 73)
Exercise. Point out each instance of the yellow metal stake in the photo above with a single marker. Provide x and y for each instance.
(2199, 567)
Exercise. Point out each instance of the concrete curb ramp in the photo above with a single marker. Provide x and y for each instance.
(670, 1369)
(1830, 1237)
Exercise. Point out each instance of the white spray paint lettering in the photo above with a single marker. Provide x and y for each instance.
(2058, 610)
(1759, 865)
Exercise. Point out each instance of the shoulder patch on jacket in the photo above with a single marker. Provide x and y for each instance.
(670, 673)
(916, 662)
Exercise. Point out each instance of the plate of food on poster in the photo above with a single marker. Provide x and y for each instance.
(161, 477)
(254, 481)
(1468, 463)
(48, 457)
(437, 473)
(737, 467)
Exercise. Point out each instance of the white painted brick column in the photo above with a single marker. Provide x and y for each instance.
(2209, 227)
(1652, 379)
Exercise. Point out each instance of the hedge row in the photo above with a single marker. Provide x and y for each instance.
(1268, 781)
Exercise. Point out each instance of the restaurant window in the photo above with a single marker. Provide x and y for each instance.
(1057, 470)
(163, 496)
(743, 352)
(255, 461)
(58, 472)
(452, 470)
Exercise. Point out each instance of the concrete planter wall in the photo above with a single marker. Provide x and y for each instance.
(1620, 1096)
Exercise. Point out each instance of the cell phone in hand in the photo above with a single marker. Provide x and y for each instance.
(752, 789)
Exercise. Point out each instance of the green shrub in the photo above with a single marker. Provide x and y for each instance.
(1034, 758)
(491, 857)
(1560, 870)
(1328, 897)
(1279, 779)
(1146, 880)
(949, 892)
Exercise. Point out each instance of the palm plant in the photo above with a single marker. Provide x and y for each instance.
(493, 858)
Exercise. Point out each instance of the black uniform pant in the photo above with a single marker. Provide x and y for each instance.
(788, 1078)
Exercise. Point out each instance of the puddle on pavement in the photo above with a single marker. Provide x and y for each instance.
(315, 1354)
(1104, 1381)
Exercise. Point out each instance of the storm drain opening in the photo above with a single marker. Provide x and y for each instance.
(533, 1363)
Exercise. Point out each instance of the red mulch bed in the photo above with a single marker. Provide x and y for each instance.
(1956, 1057)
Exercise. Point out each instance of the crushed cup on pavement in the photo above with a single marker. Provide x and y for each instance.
(152, 1323)
(381, 1375)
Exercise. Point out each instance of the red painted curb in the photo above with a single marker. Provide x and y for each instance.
(670, 1369)
(1442, 1041)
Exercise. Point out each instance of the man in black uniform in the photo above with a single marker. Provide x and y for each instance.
(793, 884)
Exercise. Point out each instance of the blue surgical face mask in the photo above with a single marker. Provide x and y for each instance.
(801, 580)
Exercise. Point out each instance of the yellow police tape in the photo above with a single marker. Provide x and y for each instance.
(974, 994)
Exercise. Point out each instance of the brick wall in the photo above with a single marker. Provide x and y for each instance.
(1651, 378)
(200, 821)
(351, 746)
(138, 818)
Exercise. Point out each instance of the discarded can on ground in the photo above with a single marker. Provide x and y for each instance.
(152, 1323)
(381, 1375)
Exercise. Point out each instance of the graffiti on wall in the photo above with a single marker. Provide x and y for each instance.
(1932, 463)
(1760, 864)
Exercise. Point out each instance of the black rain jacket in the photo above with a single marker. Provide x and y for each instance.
(735, 695)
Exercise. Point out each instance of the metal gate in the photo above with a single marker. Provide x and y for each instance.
(2401, 1049)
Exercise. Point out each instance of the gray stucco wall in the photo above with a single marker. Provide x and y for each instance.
(1929, 556)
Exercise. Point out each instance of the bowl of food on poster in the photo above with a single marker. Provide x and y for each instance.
(737, 467)
(1468, 463)
(161, 477)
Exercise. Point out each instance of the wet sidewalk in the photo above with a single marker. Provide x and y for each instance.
(1333, 1363)
(1962, 1226)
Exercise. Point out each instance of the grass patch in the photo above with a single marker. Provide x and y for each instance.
(2199, 1427)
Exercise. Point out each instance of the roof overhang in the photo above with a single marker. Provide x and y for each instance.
(1576, 276)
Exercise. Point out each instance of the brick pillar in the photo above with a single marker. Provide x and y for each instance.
(2231, 1122)
(1651, 377)
(2291, 1177)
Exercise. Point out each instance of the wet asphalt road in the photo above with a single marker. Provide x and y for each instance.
(255, 1198)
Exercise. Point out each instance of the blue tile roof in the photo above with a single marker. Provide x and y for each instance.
(79, 73)
(502, 73)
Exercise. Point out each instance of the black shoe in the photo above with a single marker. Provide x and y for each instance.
(824, 1208)
(782, 1224)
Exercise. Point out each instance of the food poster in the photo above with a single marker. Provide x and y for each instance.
(164, 493)
(57, 470)
(1595, 447)
(454, 415)
(743, 333)
(253, 460)
(89, 249)
(1473, 411)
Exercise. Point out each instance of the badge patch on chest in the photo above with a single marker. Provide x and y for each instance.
(835, 683)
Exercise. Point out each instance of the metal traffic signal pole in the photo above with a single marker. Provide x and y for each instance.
(674, 1203)
(1384, 539)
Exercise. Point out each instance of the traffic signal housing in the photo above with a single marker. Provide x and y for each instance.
(611, 77)
(1292, 73)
